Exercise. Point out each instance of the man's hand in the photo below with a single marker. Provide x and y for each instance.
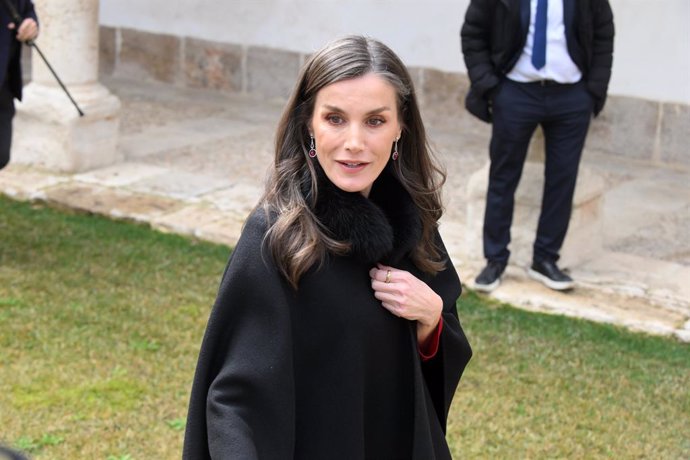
(28, 30)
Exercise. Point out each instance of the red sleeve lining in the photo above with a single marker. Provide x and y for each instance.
(429, 349)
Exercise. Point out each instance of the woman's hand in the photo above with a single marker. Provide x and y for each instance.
(406, 296)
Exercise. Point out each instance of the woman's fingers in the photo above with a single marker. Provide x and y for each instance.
(405, 295)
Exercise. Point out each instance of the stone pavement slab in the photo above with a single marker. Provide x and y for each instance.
(24, 183)
(183, 133)
(109, 201)
(588, 302)
(201, 222)
(179, 185)
(120, 175)
(239, 198)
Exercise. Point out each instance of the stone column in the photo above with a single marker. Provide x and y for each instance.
(48, 130)
(584, 238)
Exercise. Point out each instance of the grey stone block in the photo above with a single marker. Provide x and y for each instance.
(107, 53)
(417, 77)
(212, 65)
(26, 64)
(271, 72)
(444, 93)
(675, 134)
(584, 239)
(626, 127)
(149, 56)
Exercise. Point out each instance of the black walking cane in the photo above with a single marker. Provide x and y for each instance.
(17, 19)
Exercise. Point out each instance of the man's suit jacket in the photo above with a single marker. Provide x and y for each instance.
(10, 55)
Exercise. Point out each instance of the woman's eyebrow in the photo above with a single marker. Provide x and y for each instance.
(333, 108)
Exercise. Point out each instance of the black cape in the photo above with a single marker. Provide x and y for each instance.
(325, 372)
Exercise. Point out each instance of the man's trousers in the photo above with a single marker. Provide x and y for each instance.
(564, 112)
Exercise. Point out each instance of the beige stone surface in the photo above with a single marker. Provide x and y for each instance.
(674, 145)
(241, 197)
(121, 174)
(69, 38)
(50, 133)
(225, 230)
(149, 56)
(26, 57)
(444, 93)
(631, 127)
(107, 50)
(213, 65)
(186, 220)
(176, 135)
(585, 237)
(206, 185)
(270, 72)
(108, 201)
(26, 183)
(627, 126)
(179, 185)
(623, 309)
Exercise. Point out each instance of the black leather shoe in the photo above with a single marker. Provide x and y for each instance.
(548, 273)
(490, 277)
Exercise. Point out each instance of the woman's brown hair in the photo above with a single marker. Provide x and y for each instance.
(296, 238)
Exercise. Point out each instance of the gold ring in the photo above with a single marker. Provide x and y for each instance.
(388, 277)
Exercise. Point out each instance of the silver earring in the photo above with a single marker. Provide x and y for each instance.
(395, 151)
(312, 149)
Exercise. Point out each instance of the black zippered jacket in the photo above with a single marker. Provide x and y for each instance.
(494, 34)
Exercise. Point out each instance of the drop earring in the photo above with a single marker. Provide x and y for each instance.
(395, 151)
(312, 149)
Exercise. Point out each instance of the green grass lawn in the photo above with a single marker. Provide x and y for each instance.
(101, 321)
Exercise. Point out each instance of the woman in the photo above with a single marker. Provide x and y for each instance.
(335, 333)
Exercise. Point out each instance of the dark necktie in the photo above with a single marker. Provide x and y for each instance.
(539, 48)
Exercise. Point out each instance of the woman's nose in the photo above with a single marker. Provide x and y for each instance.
(354, 141)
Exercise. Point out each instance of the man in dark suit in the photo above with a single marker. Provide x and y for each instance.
(11, 37)
(530, 63)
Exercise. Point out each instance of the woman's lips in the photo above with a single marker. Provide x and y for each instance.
(352, 165)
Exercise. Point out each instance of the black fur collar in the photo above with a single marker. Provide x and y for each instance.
(383, 228)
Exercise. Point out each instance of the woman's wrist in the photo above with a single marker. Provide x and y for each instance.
(431, 321)
(426, 330)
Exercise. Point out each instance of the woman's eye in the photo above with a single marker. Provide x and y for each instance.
(335, 119)
(376, 122)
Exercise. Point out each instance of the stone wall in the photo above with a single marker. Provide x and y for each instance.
(642, 130)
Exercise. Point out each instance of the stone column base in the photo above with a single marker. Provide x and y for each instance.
(48, 131)
(584, 239)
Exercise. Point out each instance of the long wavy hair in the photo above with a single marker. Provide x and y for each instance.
(296, 238)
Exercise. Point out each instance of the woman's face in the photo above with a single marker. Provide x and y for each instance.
(354, 125)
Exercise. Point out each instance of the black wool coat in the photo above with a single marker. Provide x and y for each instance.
(324, 371)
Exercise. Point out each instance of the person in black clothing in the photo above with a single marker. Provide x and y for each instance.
(9, 454)
(335, 333)
(530, 63)
(11, 38)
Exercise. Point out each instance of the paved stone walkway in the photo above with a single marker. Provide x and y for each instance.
(195, 162)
